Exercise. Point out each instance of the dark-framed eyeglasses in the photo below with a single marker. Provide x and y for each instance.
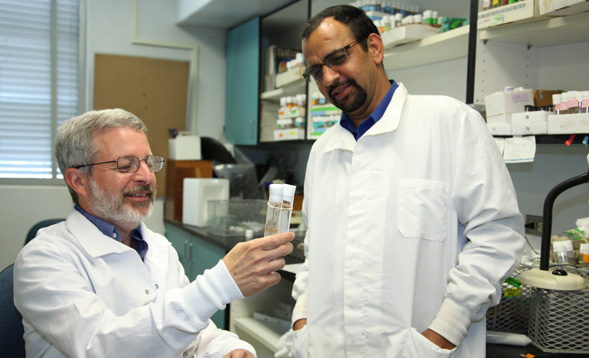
(333, 61)
(131, 163)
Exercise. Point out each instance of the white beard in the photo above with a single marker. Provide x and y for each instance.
(114, 210)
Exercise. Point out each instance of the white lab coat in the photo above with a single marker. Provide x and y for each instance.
(415, 225)
(83, 294)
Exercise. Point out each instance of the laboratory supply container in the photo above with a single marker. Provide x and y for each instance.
(235, 217)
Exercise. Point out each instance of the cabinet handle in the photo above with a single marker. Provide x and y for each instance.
(251, 129)
(190, 245)
(186, 251)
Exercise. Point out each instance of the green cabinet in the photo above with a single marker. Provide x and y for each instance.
(196, 255)
(242, 83)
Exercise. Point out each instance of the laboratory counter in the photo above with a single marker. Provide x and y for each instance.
(226, 243)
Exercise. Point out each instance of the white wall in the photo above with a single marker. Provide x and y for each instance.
(109, 31)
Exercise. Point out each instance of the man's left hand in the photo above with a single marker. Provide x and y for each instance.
(438, 340)
(239, 353)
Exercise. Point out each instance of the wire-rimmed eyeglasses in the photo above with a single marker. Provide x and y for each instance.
(131, 163)
(333, 60)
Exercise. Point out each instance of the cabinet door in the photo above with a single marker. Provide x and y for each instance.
(196, 255)
(242, 83)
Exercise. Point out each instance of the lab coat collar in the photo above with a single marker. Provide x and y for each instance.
(92, 240)
(341, 139)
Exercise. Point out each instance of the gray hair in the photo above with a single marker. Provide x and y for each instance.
(74, 144)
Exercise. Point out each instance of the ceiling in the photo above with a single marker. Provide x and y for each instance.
(223, 14)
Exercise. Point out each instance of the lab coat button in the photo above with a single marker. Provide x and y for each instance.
(146, 291)
(157, 286)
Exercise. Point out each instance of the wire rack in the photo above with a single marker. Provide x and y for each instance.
(512, 313)
(555, 321)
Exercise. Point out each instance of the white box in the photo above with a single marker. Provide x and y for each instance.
(568, 123)
(508, 102)
(499, 128)
(529, 128)
(196, 195)
(184, 147)
(520, 11)
(530, 117)
(408, 33)
(504, 118)
(563, 7)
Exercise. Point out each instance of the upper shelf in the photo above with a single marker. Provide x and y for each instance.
(548, 32)
(441, 47)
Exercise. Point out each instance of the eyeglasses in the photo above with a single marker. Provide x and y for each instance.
(333, 60)
(131, 164)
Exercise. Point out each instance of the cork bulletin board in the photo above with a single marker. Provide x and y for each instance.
(153, 89)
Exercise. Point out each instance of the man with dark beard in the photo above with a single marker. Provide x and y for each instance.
(412, 218)
(102, 284)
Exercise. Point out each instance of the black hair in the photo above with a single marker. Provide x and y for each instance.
(355, 18)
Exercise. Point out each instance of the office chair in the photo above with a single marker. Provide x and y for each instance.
(41, 224)
(12, 343)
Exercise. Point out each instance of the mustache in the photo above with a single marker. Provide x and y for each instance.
(333, 87)
(139, 188)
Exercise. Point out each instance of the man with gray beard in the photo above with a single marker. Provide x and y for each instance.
(102, 284)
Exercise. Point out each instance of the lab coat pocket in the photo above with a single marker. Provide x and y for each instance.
(301, 341)
(422, 209)
(419, 346)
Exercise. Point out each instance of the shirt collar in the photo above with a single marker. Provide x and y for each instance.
(110, 230)
(346, 122)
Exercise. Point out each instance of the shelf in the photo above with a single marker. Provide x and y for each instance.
(292, 89)
(441, 47)
(259, 331)
(549, 32)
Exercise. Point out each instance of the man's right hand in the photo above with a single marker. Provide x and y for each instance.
(253, 264)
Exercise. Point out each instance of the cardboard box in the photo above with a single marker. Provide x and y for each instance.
(562, 7)
(543, 97)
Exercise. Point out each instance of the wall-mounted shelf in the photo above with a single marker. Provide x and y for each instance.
(294, 88)
(554, 31)
(441, 47)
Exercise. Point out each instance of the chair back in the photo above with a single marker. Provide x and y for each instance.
(41, 224)
(12, 343)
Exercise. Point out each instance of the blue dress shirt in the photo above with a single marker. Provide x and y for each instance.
(110, 231)
(346, 122)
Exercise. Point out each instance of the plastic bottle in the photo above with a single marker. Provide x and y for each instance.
(572, 102)
(585, 256)
(585, 102)
(279, 211)
(557, 103)
(560, 253)
(568, 246)
(283, 110)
